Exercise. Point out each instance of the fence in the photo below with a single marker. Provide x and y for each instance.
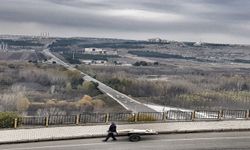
(179, 115)
(121, 117)
(93, 118)
(206, 114)
(101, 118)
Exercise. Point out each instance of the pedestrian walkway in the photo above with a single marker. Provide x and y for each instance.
(73, 132)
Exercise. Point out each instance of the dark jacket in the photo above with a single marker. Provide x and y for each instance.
(112, 128)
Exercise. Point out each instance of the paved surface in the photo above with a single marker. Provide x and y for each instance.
(124, 100)
(56, 133)
(195, 141)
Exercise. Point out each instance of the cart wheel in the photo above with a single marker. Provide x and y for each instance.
(134, 138)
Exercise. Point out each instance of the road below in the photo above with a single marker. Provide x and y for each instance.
(127, 102)
(196, 141)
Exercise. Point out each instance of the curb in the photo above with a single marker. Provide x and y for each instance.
(54, 139)
(104, 135)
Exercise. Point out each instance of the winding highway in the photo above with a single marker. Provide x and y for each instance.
(195, 141)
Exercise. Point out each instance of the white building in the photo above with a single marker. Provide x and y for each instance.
(198, 44)
(95, 51)
(87, 62)
(4, 46)
(155, 40)
(100, 61)
(91, 62)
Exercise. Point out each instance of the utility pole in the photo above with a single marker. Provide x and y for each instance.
(73, 54)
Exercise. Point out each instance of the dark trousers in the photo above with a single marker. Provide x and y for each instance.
(110, 134)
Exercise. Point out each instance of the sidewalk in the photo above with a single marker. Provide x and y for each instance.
(74, 132)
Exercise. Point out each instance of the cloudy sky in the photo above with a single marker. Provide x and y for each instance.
(220, 21)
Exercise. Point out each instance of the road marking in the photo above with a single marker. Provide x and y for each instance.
(118, 101)
(212, 138)
(56, 146)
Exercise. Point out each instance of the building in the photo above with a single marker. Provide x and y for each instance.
(4, 46)
(198, 44)
(90, 62)
(100, 62)
(94, 51)
(87, 62)
(155, 40)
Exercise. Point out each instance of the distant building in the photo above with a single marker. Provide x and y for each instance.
(100, 61)
(159, 40)
(4, 46)
(165, 41)
(112, 52)
(198, 44)
(155, 40)
(94, 51)
(89, 62)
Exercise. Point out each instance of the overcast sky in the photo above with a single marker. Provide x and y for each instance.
(220, 21)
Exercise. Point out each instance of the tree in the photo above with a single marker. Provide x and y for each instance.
(22, 104)
(50, 112)
(90, 88)
(68, 87)
(50, 103)
(75, 78)
(85, 104)
(98, 104)
(89, 85)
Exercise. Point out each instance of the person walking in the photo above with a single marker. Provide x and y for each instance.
(111, 131)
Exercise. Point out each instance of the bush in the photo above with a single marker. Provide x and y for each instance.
(7, 119)
(142, 117)
(146, 117)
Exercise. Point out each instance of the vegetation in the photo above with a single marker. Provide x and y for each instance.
(51, 89)
(146, 117)
(7, 119)
(142, 117)
(158, 55)
(164, 55)
(20, 42)
(64, 42)
(126, 45)
(77, 56)
(144, 63)
(42, 89)
(241, 61)
(191, 88)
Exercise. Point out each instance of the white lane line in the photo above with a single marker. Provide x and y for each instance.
(56, 146)
(200, 139)
(118, 101)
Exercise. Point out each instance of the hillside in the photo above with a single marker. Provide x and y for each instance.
(179, 74)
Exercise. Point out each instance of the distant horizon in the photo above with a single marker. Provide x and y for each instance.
(210, 21)
(171, 40)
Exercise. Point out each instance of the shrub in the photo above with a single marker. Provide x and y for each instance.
(146, 117)
(131, 119)
(142, 117)
(7, 119)
(98, 103)
(22, 104)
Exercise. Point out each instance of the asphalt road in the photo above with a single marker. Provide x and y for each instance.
(124, 100)
(197, 141)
